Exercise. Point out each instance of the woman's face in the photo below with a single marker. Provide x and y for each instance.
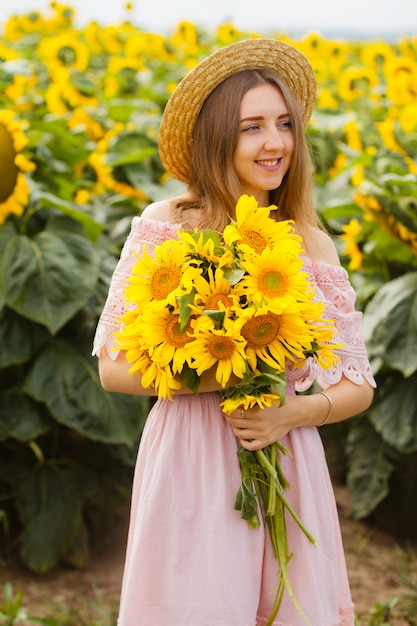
(265, 144)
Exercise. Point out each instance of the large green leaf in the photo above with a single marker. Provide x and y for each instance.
(390, 325)
(131, 148)
(369, 468)
(49, 277)
(19, 338)
(92, 228)
(21, 418)
(395, 415)
(68, 383)
(50, 500)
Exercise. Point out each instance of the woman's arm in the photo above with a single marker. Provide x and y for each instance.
(115, 376)
(261, 427)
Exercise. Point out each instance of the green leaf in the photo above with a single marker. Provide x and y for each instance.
(395, 416)
(49, 277)
(390, 324)
(184, 307)
(21, 418)
(208, 235)
(92, 228)
(216, 316)
(190, 378)
(68, 384)
(234, 275)
(246, 501)
(20, 338)
(50, 500)
(131, 148)
(369, 468)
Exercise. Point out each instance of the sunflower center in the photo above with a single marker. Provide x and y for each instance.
(165, 279)
(67, 55)
(260, 331)
(8, 170)
(254, 239)
(176, 337)
(212, 302)
(271, 283)
(221, 347)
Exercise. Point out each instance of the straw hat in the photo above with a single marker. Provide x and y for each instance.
(181, 112)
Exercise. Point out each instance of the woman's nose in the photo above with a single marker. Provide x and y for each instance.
(274, 140)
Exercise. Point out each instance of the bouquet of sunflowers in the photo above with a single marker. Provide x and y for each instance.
(238, 302)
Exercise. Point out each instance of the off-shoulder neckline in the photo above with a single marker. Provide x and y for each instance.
(307, 260)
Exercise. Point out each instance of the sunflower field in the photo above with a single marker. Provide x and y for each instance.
(79, 115)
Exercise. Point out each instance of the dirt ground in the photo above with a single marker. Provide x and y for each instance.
(375, 562)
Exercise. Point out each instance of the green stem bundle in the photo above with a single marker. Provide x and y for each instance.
(263, 484)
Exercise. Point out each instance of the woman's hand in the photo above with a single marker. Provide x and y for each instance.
(257, 428)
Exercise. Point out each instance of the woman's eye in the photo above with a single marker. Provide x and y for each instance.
(251, 127)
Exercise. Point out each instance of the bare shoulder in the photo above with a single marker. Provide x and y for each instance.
(320, 246)
(161, 211)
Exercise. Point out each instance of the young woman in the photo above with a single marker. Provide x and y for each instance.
(235, 125)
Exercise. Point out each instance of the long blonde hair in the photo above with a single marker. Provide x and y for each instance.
(214, 186)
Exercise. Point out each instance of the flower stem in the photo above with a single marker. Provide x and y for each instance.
(264, 462)
(272, 494)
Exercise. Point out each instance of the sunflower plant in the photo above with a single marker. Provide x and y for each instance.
(238, 303)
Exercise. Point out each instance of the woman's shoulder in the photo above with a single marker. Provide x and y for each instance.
(168, 211)
(162, 211)
(319, 246)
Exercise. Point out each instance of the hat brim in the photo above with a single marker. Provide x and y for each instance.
(183, 107)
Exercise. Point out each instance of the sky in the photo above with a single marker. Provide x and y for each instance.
(375, 19)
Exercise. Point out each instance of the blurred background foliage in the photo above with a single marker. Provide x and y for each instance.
(79, 116)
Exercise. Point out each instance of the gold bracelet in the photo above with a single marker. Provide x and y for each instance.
(322, 393)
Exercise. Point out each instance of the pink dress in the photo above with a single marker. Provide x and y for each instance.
(191, 560)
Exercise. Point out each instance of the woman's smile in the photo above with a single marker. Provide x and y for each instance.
(270, 163)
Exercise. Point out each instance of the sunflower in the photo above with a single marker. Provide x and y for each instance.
(274, 278)
(142, 45)
(81, 120)
(387, 132)
(350, 237)
(207, 246)
(130, 338)
(275, 336)
(325, 352)
(21, 91)
(323, 333)
(186, 39)
(223, 348)
(401, 77)
(162, 278)
(14, 189)
(356, 83)
(214, 292)
(165, 338)
(254, 230)
(162, 380)
(7, 53)
(249, 400)
(61, 96)
(156, 377)
(64, 50)
(96, 174)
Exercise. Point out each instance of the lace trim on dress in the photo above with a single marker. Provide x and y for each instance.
(143, 233)
(332, 287)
